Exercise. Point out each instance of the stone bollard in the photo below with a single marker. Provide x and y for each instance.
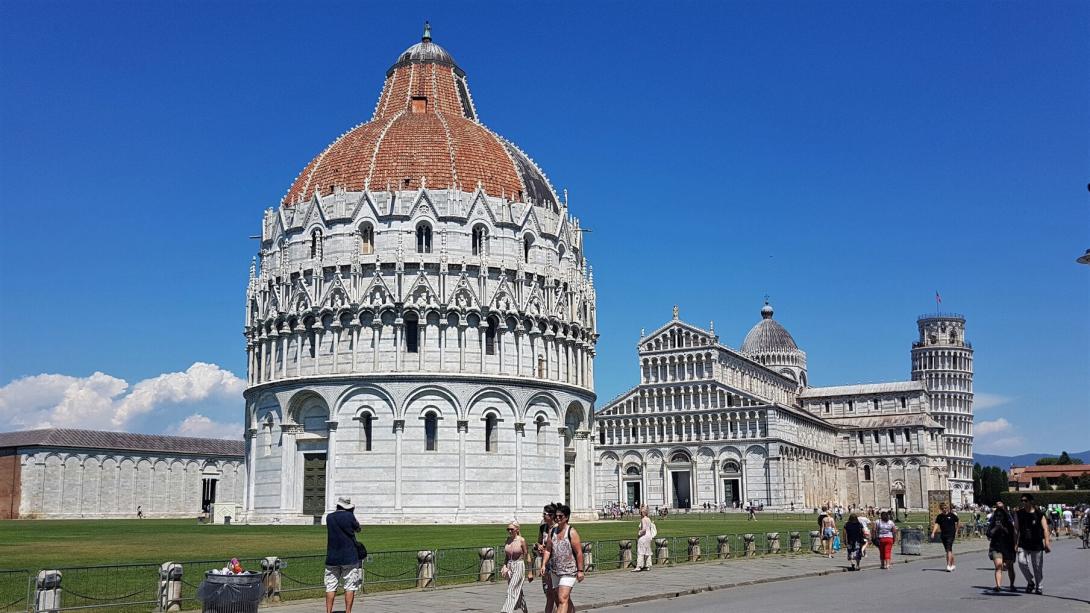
(815, 541)
(694, 549)
(773, 542)
(796, 542)
(47, 595)
(625, 553)
(750, 545)
(662, 552)
(588, 556)
(425, 569)
(272, 565)
(170, 586)
(724, 546)
(488, 563)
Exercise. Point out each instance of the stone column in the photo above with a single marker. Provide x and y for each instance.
(335, 328)
(376, 338)
(331, 466)
(463, 429)
(288, 474)
(520, 433)
(355, 331)
(399, 343)
(441, 340)
(251, 453)
(399, 432)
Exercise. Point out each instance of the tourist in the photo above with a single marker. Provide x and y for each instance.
(643, 541)
(342, 556)
(853, 534)
(514, 569)
(828, 532)
(887, 533)
(548, 520)
(565, 553)
(1068, 518)
(1002, 543)
(139, 512)
(866, 523)
(946, 523)
(1034, 541)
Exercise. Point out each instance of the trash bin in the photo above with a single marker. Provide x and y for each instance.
(231, 593)
(911, 539)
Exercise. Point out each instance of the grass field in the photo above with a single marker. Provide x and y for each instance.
(49, 544)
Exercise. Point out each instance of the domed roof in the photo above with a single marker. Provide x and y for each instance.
(424, 132)
(768, 336)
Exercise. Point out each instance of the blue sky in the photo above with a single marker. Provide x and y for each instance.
(848, 159)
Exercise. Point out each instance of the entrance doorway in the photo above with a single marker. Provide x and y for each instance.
(731, 491)
(899, 499)
(682, 493)
(632, 494)
(208, 494)
(314, 484)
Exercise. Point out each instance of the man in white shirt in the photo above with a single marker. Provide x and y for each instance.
(1068, 518)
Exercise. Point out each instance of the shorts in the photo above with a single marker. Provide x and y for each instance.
(828, 533)
(948, 543)
(349, 575)
(1001, 555)
(568, 581)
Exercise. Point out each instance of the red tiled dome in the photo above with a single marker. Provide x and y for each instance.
(424, 126)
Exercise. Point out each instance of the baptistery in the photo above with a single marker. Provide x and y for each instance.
(420, 322)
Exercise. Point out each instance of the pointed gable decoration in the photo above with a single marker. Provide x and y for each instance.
(421, 293)
(336, 295)
(464, 296)
(378, 294)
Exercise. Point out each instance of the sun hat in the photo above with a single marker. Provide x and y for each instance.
(345, 503)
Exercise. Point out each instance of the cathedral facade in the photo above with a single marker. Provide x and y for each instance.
(420, 326)
(711, 424)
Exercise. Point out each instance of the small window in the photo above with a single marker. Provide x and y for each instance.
(904, 402)
(491, 434)
(423, 238)
(316, 244)
(480, 240)
(908, 436)
(860, 437)
(875, 434)
(365, 430)
(892, 436)
(635, 433)
(866, 473)
(826, 406)
(851, 405)
(431, 432)
(601, 436)
(527, 242)
(540, 423)
(490, 337)
(367, 239)
(540, 367)
(419, 105)
(412, 334)
(877, 406)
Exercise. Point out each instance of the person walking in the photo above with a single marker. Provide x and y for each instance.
(544, 531)
(1034, 540)
(853, 534)
(565, 553)
(1002, 543)
(514, 569)
(887, 534)
(643, 541)
(866, 523)
(342, 557)
(828, 533)
(946, 524)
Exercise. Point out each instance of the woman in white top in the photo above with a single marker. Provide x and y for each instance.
(887, 533)
(643, 542)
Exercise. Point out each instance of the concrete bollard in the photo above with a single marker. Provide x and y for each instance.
(170, 586)
(724, 546)
(815, 541)
(588, 556)
(662, 552)
(272, 565)
(750, 545)
(47, 595)
(425, 569)
(488, 563)
(694, 549)
(796, 542)
(625, 554)
(773, 542)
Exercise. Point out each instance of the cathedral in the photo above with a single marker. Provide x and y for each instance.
(420, 323)
(711, 424)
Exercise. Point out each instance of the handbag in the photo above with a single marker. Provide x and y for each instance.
(361, 550)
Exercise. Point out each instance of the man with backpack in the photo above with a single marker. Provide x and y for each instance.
(342, 557)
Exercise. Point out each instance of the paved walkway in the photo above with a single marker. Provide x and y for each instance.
(611, 588)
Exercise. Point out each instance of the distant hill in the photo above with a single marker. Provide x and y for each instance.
(1026, 459)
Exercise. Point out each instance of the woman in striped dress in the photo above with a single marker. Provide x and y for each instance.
(515, 569)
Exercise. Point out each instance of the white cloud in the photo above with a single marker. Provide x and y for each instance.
(983, 401)
(1007, 445)
(199, 425)
(101, 401)
(985, 429)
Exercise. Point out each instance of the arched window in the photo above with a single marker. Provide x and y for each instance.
(491, 434)
(540, 367)
(527, 242)
(540, 423)
(679, 456)
(367, 239)
(866, 472)
(876, 405)
(316, 244)
(412, 333)
(423, 238)
(892, 437)
(632, 471)
(282, 247)
(601, 436)
(953, 336)
(490, 337)
(431, 432)
(480, 240)
(366, 421)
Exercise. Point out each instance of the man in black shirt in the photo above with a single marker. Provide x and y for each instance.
(1034, 541)
(342, 558)
(946, 523)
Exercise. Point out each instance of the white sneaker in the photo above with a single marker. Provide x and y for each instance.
(952, 567)
(949, 568)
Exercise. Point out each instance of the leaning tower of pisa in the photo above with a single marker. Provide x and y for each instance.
(943, 360)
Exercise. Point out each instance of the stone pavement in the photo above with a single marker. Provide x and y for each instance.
(610, 588)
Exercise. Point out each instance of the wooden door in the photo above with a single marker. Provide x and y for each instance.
(314, 484)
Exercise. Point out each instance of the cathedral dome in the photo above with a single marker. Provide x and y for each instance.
(768, 336)
(424, 133)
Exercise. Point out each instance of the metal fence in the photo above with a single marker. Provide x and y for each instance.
(135, 588)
